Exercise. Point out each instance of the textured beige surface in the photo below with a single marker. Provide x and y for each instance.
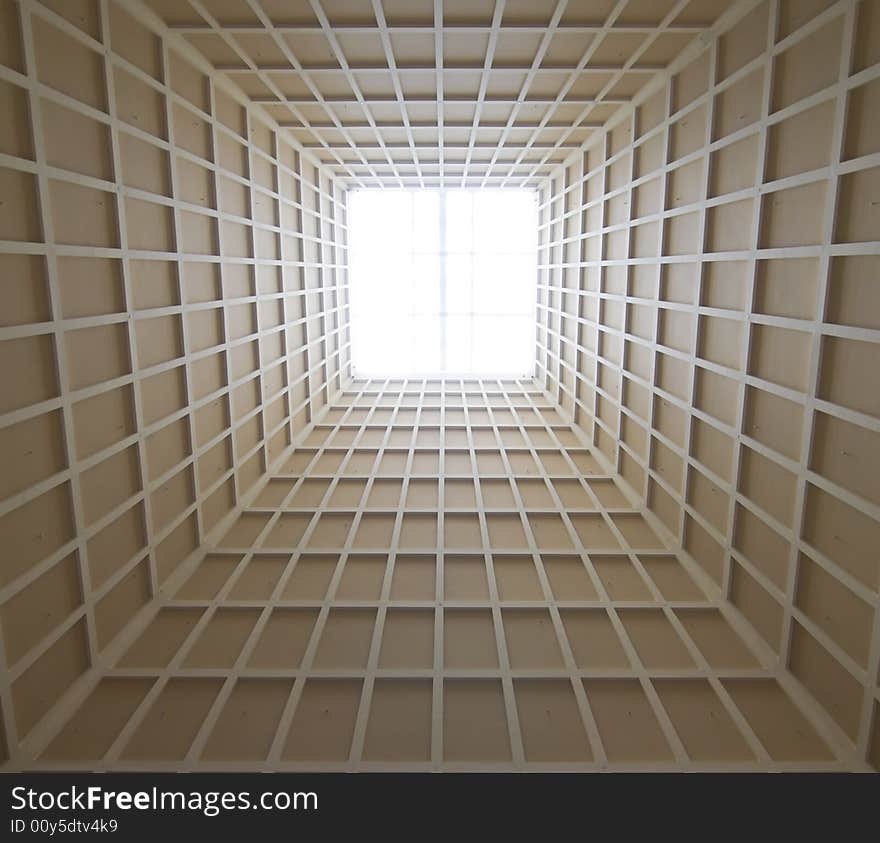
(157, 356)
(571, 639)
(218, 552)
(416, 92)
(712, 327)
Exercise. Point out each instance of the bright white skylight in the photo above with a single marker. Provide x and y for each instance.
(443, 282)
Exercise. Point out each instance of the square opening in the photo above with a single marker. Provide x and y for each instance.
(443, 282)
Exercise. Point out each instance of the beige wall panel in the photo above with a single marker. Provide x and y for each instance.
(90, 286)
(91, 731)
(116, 608)
(851, 296)
(324, 721)
(15, 136)
(627, 726)
(75, 142)
(797, 74)
(559, 737)
(40, 607)
(760, 608)
(34, 692)
(116, 544)
(745, 433)
(261, 701)
(25, 293)
(34, 530)
(134, 42)
(399, 728)
(800, 143)
(474, 721)
(704, 726)
(83, 216)
(173, 720)
(139, 104)
(81, 283)
(67, 65)
(19, 216)
(33, 450)
(834, 687)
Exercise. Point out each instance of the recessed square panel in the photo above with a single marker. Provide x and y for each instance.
(323, 724)
(474, 721)
(362, 577)
(627, 725)
(464, 578)
(517, 578)
(310, 577)
(531, 640)
(345, 639)
(469, 639)
(399, 727)
(414, 578)
(550, 721)
(408, 640)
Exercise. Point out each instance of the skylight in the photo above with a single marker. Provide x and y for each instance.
(443, 282)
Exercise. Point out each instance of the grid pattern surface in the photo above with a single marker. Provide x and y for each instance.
(439, 577)
(442, 282)
(710, 314)
(421, 92)
(161, 342)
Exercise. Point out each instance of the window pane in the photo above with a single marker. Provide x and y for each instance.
(426, 356)
(426, 285)
(459, 304)
(458, 344)
(459, 281)
(502, 345)
(504, 284)
(459, 221)
(426, 221)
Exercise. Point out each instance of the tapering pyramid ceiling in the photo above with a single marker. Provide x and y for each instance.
(415, 92)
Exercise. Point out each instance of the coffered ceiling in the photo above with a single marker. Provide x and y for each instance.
(420, 92)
